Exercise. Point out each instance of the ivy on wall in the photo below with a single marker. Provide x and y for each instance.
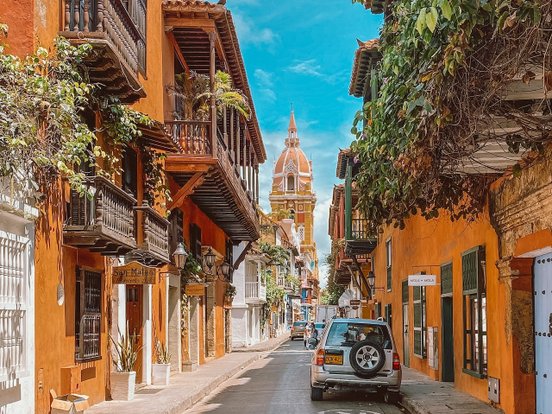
(444, 67)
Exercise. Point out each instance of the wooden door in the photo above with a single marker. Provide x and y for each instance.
(447, 336)
(134, 310)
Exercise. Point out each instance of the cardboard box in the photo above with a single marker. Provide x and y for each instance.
(69, 403)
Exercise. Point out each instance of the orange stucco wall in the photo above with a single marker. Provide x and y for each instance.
(55, 324)
(18, 18)
(425, 246)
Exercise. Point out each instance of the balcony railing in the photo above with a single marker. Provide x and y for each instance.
(103, 219)
(155, 236)
(121, 22)
(194, 137)
(360, 229)
(255, 291)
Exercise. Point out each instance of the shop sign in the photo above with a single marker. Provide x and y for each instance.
(422, 280)
(134, 273)
(195, 289)
(354, 302)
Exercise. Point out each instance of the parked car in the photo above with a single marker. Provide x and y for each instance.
(297, 329)
(357, 354)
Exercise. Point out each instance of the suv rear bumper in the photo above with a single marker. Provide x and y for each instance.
(321, 378)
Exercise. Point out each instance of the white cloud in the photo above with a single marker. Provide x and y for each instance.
(249, 33)
(265, 83)
(307, 67)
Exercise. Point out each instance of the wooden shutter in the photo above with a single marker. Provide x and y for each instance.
(405, 291)
(471, 270)
(446, 279)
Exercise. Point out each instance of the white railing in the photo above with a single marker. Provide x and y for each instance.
(255, 290)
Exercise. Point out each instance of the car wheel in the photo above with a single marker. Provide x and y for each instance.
(391, 397)
(367, 357)
(317, 394)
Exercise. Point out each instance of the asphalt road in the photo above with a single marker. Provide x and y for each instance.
(280, 384)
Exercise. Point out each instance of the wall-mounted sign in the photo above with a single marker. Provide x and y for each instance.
(422, 280)
(195, 289)
(134, 273)
(354, 302)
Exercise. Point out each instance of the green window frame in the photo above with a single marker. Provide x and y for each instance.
(388, 263)
(389, 315)
(420, 321)
(474, 308)
(446, 279)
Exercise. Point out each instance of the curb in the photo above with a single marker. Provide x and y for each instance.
(411, 406)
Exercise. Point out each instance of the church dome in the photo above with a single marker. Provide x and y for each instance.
(292, 170)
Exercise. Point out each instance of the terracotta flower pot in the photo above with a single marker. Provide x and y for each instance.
(122, 385)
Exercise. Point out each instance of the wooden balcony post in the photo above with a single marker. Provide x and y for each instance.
(231, 145)
(238, 146)
(249, 167)
(257, 184)
(225, 127)
(212, 62)
(244, 152)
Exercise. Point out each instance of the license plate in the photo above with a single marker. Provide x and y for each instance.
(333, 359)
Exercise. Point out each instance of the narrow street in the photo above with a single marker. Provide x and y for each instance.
(279, 384)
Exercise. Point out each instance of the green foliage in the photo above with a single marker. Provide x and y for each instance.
(278, 255)
(195, 89)
(443, 64)
(231, 291)
(192, 270)
(332, 292)
(294, 282)
(43, 131)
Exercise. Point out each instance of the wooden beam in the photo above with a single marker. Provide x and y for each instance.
(177, 51)
(186, 22)
(187, 190)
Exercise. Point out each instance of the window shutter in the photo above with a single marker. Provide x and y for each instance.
(446, 279)
(405, 291)
(471, 270)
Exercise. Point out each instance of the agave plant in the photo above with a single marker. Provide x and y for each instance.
(126, 349)
(162, 353)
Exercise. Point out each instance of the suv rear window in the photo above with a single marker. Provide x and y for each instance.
(349, 333)
(299, 323)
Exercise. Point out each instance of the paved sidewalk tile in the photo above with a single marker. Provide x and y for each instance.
(423, 395)
(265, 345)
(186, 388)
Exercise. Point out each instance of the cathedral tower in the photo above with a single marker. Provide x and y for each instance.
(292, 195)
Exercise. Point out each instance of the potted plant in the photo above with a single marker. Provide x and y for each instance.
(229, 295)
(162, 368)
(123, 379)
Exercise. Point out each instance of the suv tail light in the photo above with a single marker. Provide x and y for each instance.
(396, 362)
(319, 357)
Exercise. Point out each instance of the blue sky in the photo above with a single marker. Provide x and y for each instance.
(301, 52)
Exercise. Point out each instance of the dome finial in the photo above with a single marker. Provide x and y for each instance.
(292, 126)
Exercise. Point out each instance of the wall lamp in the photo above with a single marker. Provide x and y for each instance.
(180, 255)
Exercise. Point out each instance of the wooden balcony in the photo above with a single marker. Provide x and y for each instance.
(116, 31)
(222, 181)
(255, 293)
(103, 222)
(153, 238)
(362, 241)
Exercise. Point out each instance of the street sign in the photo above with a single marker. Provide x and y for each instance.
(354, 302)
(422, 280)
(195, 289)
(134, 273)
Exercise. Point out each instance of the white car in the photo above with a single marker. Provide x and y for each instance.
(357, 354)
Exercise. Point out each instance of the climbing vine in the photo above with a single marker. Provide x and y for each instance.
(444, 68)
(46, 127)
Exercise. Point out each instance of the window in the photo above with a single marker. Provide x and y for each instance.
(419, 300)
(388, 314)
(347, 334)
(388, 263)
(378, 309)
(130, 171)
(14, 281)
(195, 242)
(446, 279)
(88, 305)
(290, 183)
(475, 312)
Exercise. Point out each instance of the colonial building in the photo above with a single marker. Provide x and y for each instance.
(293, 194)
(88, 251)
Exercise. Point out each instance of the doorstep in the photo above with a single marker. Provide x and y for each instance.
(423, 395)
(185, 388)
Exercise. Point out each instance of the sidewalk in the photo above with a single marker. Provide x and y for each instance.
(422, 395)
(266, 345)
(187, 388)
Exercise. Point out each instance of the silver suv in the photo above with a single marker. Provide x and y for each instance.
(356, 353)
